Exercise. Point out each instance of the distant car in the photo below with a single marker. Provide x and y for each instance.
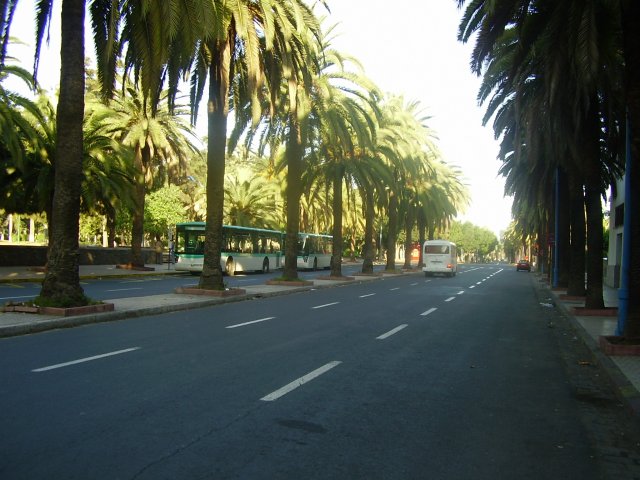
(523, 265)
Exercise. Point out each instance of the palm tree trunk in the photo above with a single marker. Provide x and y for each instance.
(369, 253)
(61, 284)
(577, 257)
(408, 243)
(137, 227)
(594, 295)
(293, 155)
(336, 258)
(211, 278)
(392, 234)
(432, 231)
(631, 16)
(563, 236)
(110, 213)
(422, 228)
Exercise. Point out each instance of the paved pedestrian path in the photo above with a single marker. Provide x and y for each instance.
(623, 370)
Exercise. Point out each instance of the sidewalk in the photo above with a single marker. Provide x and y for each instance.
(35, 274)
(16, 323)
(623, 370)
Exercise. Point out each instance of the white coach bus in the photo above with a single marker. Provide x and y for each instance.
(439, 256)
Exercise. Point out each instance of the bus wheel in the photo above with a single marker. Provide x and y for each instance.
(230, 267)
(315, 263)
(265, 266)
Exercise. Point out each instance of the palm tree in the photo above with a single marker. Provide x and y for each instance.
(151, 134)
(250, 203)
(630, 14)
(108, 182)
(345, 104)
(16, 129)
(371, 173)
(403, 141)
(581, 100)
(20, 141)
(243, 41)
(61, 284)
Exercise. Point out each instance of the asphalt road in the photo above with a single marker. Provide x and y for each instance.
(402, 378)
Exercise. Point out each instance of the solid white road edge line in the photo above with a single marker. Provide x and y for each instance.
(392, 332)
(431, 310)
(325, 305)
(251, 322)
(123, 289)
(87, 359)
(299, 382)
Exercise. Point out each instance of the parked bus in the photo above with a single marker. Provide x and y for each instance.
(439, 256)
(243, 248)
(314, 251)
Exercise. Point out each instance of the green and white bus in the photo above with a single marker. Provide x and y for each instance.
(244, 248)
(314, 251)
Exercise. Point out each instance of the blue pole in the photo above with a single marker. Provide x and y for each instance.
(556, 267)
(623, 291)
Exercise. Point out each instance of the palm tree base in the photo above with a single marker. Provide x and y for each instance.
(615, 345)
(595, 312)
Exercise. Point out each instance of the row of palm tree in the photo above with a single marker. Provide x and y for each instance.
(559, 79)
(253, 188)
(291, 94)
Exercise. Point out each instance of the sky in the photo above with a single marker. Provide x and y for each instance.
(408, 48)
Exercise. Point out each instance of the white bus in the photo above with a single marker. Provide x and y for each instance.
(439, 256)
(314, 251)
(244, 249)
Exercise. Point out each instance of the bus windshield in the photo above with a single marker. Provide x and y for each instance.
(437, 249)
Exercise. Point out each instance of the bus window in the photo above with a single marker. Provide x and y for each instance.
(436, 249)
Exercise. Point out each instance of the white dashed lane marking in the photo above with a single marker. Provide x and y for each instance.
(83, 360)
(325, 305)
(299, 382)
(250, 323)
(392, 332)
